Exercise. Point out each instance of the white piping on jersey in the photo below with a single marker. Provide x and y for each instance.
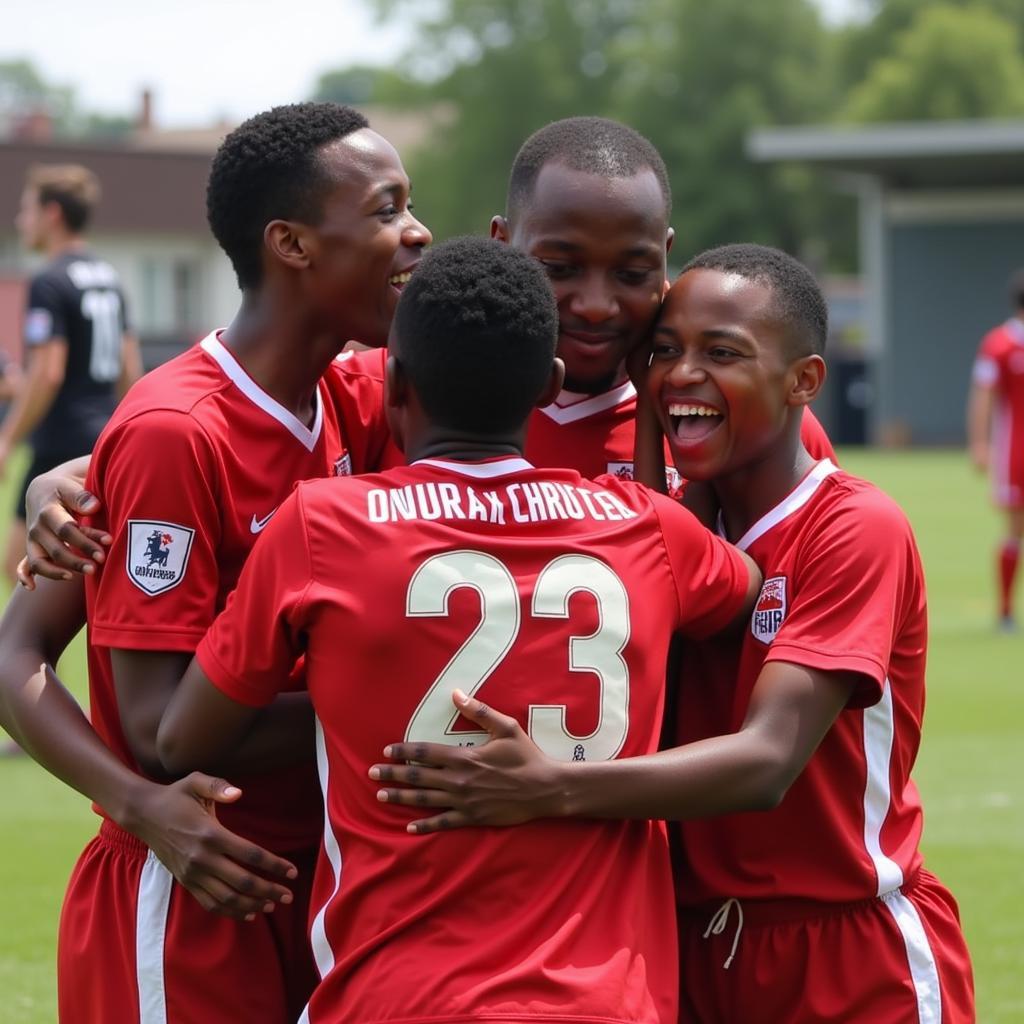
(323, 954)
(154, 899)
(479, 470)
(563, 414)
(795, 501)
(309, 436)
(924, 972)
(879, 728)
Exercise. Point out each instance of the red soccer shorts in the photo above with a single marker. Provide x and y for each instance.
(1007, 460)
(900, 959)
(136, 948)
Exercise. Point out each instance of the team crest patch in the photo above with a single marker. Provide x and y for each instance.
(623, 470)
(343, 465)
(770, 609)
(157, 554)
(38, 326)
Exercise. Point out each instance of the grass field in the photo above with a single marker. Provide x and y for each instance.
(970, 767)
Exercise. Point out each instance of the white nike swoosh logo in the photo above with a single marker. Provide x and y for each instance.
(257, 524)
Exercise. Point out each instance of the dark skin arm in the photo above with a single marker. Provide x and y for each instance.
(201, 723)
(178, 822)
(146, 681)
(508, 780)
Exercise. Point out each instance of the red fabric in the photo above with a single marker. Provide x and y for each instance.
(844, 591)
(819, 962)
(1009, 557)
(187, 448)
(562, 921)
(815, 440)
(1000, 366)
(214, 968)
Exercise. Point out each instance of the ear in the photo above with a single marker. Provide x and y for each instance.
(396, 383)
(554, 385)
(286, 243)
(499, 228)
(807, 376)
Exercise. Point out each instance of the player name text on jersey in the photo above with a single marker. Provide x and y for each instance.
(520, 502)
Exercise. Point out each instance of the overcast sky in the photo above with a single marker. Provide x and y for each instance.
(203, 58)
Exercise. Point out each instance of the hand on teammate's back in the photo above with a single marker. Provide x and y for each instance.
(58, 545)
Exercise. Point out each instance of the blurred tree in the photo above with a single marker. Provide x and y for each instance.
(860, 43)
(364, 83)
(697, 78)
(507, 67)
(950, 62)
(24, 91)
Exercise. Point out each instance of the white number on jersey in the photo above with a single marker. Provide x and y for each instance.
(599, 654)
(103, 310)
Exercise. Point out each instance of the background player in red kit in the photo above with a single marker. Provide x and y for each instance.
(190, 471)
(819, 909)
(995, 434)
(484, 566)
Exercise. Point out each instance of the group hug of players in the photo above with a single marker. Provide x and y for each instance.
(467, 640)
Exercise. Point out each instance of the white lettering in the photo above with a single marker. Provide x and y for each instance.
(497, 508)
(477, 509)
(428, 510)
(451, 503)
(377, 506)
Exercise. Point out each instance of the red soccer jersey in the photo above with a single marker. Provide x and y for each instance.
(190, 470)
(553, 598)
(594, 434)
(843, 591)
(1000, 366)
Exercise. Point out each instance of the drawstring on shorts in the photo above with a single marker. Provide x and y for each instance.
(718, 924)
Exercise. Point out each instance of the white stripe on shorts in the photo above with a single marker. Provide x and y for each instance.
(150, 928)
(923, 971)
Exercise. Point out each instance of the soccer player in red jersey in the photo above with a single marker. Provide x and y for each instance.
(813, 719)
(995, 434)
(312, 209)
(590, 198)
(548, 593)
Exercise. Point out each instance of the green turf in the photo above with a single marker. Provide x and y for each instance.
(969, 770)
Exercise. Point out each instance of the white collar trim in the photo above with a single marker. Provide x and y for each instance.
(589, 406)
(480, 470)
(308, 436)
(797, 498)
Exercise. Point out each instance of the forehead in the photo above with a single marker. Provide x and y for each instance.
(590, 209)
(363, 160)
(703, 298)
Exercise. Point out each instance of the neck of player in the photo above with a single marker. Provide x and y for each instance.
(457, 446)
(285, 352)
(761, 483)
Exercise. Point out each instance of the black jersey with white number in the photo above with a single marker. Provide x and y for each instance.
(78, 297)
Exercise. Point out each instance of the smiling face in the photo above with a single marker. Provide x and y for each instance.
(721, 378)
(603, 242)
(367, 242)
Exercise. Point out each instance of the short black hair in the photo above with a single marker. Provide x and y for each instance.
(1017, 289)
(799, 302)
(267, 168)
(595, 145)
(475, 330)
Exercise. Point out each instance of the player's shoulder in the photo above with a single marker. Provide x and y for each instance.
(854, 510)
(361, 364)
(996, 341)
(175, 392)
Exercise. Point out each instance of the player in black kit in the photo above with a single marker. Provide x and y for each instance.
(80, 357)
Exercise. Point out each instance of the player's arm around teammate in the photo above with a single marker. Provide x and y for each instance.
(178, 822)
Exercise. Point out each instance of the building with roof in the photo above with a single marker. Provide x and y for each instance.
(941, 232)
(151, 222)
